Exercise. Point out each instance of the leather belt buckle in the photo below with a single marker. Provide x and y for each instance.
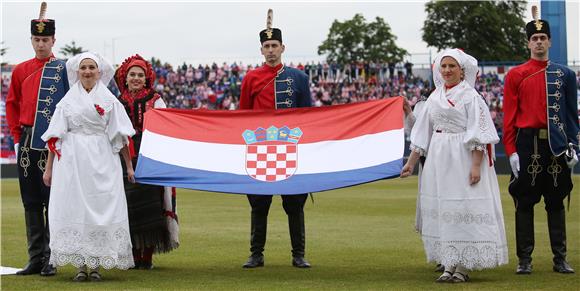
(543, 133)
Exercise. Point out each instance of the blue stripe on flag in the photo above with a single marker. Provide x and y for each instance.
(163, 174)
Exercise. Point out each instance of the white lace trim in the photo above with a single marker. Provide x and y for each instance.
(483, 125)
(477, 146)
(473, 255)
(92, 262)
(455, 217)
(118, 143)
(417, 149)
(487, 132)
(108, 248)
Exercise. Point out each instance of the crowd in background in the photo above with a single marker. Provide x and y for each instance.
(218, 87)
(5, 137)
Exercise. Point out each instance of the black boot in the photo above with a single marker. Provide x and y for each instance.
(35, 237)
(47, 269)
(298, 239)
(557, 230)
(524, 241)
(257, 240)
(254, 261)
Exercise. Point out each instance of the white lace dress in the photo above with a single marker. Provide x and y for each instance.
(461, 224)
(88, 209)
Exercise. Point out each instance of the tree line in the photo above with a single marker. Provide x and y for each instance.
(488, 30)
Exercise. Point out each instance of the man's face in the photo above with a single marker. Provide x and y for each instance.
(42, 45)
(539, 43)
(272, 51)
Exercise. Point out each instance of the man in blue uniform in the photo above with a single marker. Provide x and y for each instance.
(35, 88)
(541, 140)
(275, 86)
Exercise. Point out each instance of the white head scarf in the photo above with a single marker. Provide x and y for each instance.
(98, 95)
(72, 67)
(466, 62)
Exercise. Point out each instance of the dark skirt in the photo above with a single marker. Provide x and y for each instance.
(147, 222)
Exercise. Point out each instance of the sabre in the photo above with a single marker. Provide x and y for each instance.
(570, 151)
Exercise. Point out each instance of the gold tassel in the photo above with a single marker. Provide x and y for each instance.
(42, 10)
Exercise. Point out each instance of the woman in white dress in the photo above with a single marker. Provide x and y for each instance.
(462, 222)
(88, 219)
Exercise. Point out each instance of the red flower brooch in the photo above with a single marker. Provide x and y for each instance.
(100, 110)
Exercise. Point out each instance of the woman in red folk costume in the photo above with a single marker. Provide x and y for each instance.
(152, 218)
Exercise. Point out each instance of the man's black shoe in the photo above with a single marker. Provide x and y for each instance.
(31, 268)
(254, 261)
(563, 267)
(524, 269)
(48, 270)
(300, 262)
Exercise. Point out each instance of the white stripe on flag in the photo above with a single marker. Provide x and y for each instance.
(320, 157)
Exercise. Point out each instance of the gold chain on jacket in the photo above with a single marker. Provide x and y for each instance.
(534, 168)
(554, 169)
(42, 161)
(24, 156)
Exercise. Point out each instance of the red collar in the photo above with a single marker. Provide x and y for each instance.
(274, 69)
(44, 60)
(539, 63)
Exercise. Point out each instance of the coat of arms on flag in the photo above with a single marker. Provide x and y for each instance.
(271, 154)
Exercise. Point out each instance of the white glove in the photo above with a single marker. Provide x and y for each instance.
(573, 160)
(16, 146)
(515, 164)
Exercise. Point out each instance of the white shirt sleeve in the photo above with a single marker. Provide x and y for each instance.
(159, 103)
(480, 127)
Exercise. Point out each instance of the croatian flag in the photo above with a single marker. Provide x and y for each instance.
(273, 152)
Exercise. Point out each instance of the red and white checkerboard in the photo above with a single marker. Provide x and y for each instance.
(271, 163)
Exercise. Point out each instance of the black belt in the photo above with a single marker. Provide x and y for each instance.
(27, 129)
(542, 133)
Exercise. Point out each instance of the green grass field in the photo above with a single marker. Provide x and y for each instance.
(359, 238)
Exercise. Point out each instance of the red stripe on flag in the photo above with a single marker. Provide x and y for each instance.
(328, 123)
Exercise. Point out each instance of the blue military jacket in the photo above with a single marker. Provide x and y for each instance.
(291, 89)
(562, 108)
(53, 86)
